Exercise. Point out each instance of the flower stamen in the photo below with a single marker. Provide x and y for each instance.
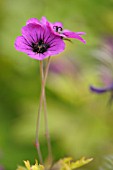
(58, 29)
(40, 47)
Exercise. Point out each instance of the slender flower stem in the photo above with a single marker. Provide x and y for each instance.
(40, 107)
(38, 124)
(46, 121)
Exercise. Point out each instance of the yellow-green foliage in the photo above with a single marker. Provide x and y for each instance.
(69, 164)
(62, 164)
(31, 167)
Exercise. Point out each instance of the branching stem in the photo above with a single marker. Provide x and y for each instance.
(42, 96)
(46, 121)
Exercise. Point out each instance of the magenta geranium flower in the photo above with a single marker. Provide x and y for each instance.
(57, 28)
(38, 41)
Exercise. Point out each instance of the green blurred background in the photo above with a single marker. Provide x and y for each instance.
(80, 124)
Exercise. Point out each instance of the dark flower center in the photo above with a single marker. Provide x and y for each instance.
(40, 47)
(57, 29)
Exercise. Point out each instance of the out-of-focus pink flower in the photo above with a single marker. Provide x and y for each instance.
(1, 167)
(68, 67)
(105, 56)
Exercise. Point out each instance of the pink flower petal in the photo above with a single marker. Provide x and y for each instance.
(70, 34)
(58, 24)
(33, 21)
(22, 45)
(32, 32)
(39, 56)
(80, 33)
(56, 43)
(43, 20)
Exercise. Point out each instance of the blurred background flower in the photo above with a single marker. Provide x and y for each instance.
(104, 55)
(107, 163)
(1, 168)
(67, 67)
(79, 122)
